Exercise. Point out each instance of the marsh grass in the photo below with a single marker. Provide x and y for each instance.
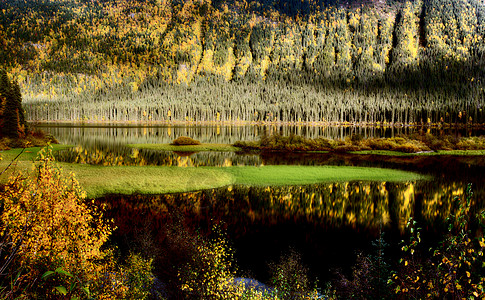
(99, 180)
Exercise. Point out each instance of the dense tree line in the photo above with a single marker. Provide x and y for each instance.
(12, 119)
(331, 61)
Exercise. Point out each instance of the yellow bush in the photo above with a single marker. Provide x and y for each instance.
(47, 215)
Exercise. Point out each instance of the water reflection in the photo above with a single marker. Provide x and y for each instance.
(364, 205)
(119, 155)
(224, 134)
(327, 222)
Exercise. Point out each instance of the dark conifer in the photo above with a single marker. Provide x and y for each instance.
(17, 96)
(4, 92)
(12, 119)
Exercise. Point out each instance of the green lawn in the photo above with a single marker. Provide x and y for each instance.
(100, 180)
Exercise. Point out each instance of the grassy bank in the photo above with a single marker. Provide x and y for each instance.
(99, 180)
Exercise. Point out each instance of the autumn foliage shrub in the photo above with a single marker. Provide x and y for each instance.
(48, 226)
(60, 224)
(209, 273)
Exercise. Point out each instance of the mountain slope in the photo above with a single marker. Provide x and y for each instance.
(355, 61)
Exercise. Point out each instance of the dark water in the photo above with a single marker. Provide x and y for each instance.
(327, 223)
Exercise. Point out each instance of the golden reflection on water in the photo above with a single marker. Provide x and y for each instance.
(441, 201)
(360, 205)
(116, 156)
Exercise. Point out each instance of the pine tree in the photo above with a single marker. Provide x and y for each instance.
(4, 95)
(12, 119)
(17, 99)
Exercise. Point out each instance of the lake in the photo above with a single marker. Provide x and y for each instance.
(139, 134)
(327, 223)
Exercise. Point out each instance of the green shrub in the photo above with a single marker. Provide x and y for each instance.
(396, 144)
(346, 148)
(472, 143)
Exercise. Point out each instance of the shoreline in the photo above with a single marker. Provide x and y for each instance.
(101, 123)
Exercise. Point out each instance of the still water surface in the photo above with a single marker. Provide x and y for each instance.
(327, 223)
(226, 134)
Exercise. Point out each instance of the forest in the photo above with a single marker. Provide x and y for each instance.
(361, 62)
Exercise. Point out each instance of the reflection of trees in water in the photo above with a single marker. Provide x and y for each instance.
(226, 134)
(327, 222)
(359, 205)
(118, 155)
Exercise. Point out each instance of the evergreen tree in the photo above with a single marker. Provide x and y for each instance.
(4, 95)
(17, 99)
(12, 119)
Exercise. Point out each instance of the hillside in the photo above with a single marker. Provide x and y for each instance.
(297, 61)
